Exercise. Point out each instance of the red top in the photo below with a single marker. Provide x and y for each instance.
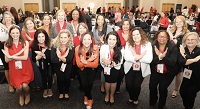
(31, 35)
(122, 40)
(19, 76)
(64, 26)
(164, 20)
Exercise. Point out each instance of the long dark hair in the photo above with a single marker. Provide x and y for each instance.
(9, 42)
(117, 49)
(35, 41)
(80, 19)
(104, 30)
(90, 51)
(157, 33)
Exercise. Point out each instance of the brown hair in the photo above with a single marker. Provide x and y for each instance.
(143, 35)
(25, 26)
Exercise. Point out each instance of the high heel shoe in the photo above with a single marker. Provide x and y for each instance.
(106, 102)
(21, 100)
(174, 93)
(135, 103)
(27, 98)
(112, 103)
(130, 102)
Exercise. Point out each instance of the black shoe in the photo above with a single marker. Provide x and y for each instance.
(129, 102)
(112, 103)
(106, 102)
(135, 105)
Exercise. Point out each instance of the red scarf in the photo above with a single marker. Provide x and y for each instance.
(164, 66)
(111, 54)
(138, 49)
(64, 26)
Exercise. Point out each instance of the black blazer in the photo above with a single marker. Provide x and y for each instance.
(170, 60)
(195, 67)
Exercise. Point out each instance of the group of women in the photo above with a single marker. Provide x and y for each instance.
(62, 47)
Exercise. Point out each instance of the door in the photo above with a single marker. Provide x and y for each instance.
(32, 7)
(166, 7)
(69, 6)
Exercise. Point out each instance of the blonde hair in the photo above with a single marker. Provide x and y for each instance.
(59, 12)
(70, 43)
(10, 14)
(25, 26)
(184, 28)
(191, 34)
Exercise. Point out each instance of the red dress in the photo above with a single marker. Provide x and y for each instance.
(19, 76)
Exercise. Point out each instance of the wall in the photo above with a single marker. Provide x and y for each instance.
(85, 3)
(147, 6)
(11, 3)
(33, 1)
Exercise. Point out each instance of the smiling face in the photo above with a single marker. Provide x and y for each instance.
(46, 20)
(82, 30)
(100, 21)
(126, 26)
(136, 36)
(87, 40)
(7, 18)
(191, 41)
(75, 15)
(64, 38)
(41, 38)
(162, 38)
(61, 16)
(29, 25)
(112, 40)
(15, 33)
(179, 23)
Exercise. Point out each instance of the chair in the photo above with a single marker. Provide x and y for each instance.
(137, 23)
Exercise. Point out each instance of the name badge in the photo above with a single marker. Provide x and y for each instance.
(160, 68)
(18, 64)
(136, 66)
(63, 66)
(187, 73)
(107, 70)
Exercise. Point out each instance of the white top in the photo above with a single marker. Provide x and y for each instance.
(145, 61)
(105, 53)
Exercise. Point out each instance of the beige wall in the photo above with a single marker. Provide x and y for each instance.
(11, 3)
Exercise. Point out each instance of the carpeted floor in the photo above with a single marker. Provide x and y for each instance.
(10, 101)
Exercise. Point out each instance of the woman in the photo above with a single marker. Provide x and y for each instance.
(42, 56)
(163, 22)
(75, 17)
(28, 32)
(7, 22)
(138, 56)
(60, 24)
(178, 30)
(124, 34)
(100, 30)
(20, 68)
(111, 58)
(87, 59)
(118, 17)
(163, 65)
(189, 60)
(47, 23)
(62, 54)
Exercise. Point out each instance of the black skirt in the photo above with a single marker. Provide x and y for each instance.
(112, 78)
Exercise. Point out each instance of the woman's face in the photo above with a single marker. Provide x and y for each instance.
(136, 36)
(46, 20)
(61, 16)
(82, 30)
(162, 14)
(29, 25)
(75, 15)
(7, 18)
(64, 38)
(179, 23)
(15, 33)
(126, 26)
(100, 21)
(41, 38)
(191, 41)
(112, 40)
(162, 38)
(87, 40)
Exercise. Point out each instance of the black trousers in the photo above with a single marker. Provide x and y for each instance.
(188, 92)
(120, 78)
(2, 57)
(63, 80)
(87, 77)
(134, 80)
(163, 81)
(46, 77)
